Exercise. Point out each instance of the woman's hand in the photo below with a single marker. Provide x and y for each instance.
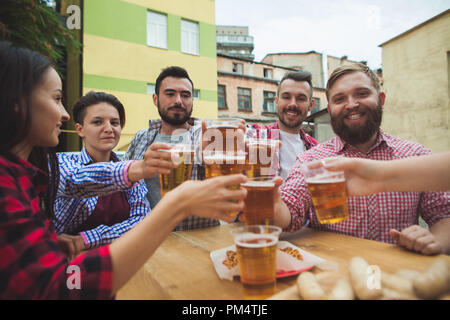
(210, 198)
(362, 176)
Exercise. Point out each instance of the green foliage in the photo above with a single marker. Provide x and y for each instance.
(35, 25)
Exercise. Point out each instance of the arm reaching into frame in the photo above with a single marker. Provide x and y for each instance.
(364, 177)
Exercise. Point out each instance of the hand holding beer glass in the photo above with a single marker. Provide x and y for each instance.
(183, 156)
(256, 247)
(328, 193)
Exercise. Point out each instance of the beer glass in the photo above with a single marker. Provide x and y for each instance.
(256, 247)
(263, 157)
(328, 193)
(222, 135)
(219, 163)
(183, 155)
(259, 204)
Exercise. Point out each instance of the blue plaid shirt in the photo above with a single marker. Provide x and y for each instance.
(81, 182)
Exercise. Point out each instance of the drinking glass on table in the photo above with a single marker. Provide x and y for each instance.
(183, 155)
(256, 247)
(328, 193)
(259, 204)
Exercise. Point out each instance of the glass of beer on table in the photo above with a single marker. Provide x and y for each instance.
(328, 193)
(256, 247)
(259, 204)
(222, 135)
(183, 155)
(262, 157)
(220, 163)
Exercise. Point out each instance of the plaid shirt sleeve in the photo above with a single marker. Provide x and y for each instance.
(84, 181)
(31, 263)
(295, 194)
(139, 209)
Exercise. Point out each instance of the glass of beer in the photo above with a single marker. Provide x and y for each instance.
(219, 163)
(256, 247)
(183, 155)
(263, 157)
(222, 135)
(259, 204)
(328, 193)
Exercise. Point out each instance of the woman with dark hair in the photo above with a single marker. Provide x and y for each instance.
(32, 266)
(83, 221)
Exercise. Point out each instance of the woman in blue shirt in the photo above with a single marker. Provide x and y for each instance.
(82, 220)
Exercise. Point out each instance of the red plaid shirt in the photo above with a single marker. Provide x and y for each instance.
(31, 264)
(371, 217)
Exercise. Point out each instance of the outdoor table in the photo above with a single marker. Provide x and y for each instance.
(181, 268)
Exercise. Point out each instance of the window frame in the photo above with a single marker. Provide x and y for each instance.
(157, 43)
(188, 47)
(245, 99)
(225, 106)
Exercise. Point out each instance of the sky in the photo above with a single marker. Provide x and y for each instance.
(353, 28)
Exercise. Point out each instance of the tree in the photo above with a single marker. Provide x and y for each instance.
(34, 24)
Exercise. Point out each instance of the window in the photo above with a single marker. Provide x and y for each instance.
(156, 30)
(268, 73)
(196, 94)
(269, 101)
(244, 99)
(316, 107)
(189, 37)
(221, 97)
(237, 67)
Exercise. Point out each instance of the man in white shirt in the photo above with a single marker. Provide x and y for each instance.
(293, 101)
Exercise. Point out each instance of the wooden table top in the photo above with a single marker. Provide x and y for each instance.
(181, 268)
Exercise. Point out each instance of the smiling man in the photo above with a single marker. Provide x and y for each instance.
(355, 104)
(174, 99)
(293, 101)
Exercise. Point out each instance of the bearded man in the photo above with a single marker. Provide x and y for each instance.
(174, 99)
(355, 104)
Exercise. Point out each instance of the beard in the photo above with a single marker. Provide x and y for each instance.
(292, 125)
(358, 134)
(177, 118)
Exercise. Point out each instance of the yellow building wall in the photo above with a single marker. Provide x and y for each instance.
(416, 82)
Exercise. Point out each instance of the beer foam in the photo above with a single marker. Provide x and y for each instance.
(240, 240)
(225, 157)
(258, 184)
(325, 179)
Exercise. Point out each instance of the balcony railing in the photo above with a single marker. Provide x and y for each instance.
(234, 39)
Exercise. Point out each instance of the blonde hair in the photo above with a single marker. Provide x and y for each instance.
(350, 68)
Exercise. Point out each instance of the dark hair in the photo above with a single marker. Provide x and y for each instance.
(21, 70)
(91, 98)
(174, 71)
(301, 75)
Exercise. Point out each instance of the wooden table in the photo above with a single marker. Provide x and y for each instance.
(181, 268)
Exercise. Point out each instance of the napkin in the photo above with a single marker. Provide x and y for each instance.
(287, 264)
